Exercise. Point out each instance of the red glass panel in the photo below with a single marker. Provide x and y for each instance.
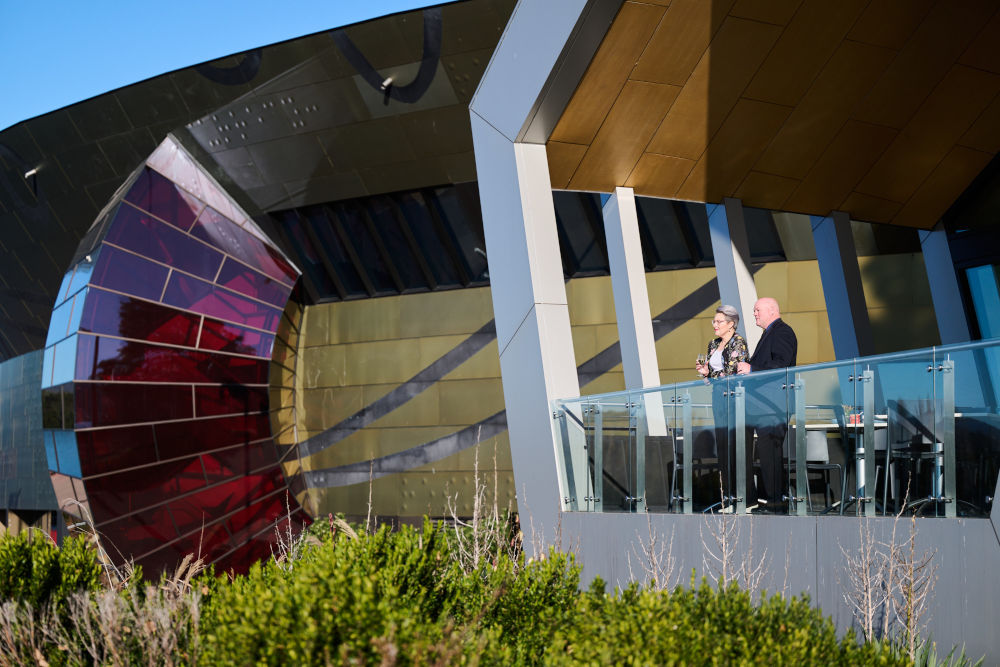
(99, 404)
(114, 359)
(146, 236)
(124, 272)
(248, 522)
(109, 313)
(105, 450)
(241, 278)
(229, 400)
(229, 237)
(241, 460)
(207, 542)
(156, 194)
(121, 493)
(180, 438)
(163, 560)
(139, 533)
(199, 296)
(225, 337)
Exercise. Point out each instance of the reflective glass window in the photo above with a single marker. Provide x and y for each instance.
(108, 449)
(50, 452)
(581, 231)
(146, 236)
(460, 211)
(178, 439)
(129, 361)
(227, 236)
(119, 315)
(125, 272)
(59, 323)
(366, 247)
(207, 299)
(417, 216)
(318, 219)
(230, 399)
(241, 278)
(664, 244)
(131, 490)
(307, 254)
(81, 276)
(142, 532)
(762, 235)
(64, 286)
(383, 215)
(52, 408)
(69, 458)
(48, 361)
(156, 194)
(225, 337)
(108, 404)
(64, 360)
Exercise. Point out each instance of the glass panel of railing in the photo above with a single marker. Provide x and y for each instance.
(766, 410)
(571, 438)
(697, 484)
(655, 427)
(823, 450)
(898, 417)
(967, 426)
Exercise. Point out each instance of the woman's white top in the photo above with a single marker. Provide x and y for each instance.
(715, 361)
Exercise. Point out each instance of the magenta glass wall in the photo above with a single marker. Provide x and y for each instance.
(169, 385)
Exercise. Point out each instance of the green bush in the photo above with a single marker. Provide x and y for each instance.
(33, 570)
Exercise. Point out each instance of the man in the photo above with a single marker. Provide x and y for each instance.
(777, 348)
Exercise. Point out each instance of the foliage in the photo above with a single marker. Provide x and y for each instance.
(34, 570)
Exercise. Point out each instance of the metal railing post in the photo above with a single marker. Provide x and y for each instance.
(641, 429)
(598, 498)
(687, 490)
(740, 419)
(868, 497)
(949, 494)
(801, 496)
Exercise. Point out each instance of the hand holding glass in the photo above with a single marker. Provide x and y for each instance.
(700, 361)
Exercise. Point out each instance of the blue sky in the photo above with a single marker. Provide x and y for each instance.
(55, 53)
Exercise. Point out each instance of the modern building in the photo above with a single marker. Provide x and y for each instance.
(351, 272)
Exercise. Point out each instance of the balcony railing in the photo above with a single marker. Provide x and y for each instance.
(915, 432)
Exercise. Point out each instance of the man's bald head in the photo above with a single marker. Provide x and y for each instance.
(765, 311)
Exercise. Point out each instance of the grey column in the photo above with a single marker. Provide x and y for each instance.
(537, 363)
(952, 323)
(732, 264)
(842, 289)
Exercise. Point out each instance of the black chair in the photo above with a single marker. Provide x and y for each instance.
(818, 461)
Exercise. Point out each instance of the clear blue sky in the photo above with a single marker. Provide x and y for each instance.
(57, 52)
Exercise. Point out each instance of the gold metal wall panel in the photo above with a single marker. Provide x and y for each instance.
(941, 38)
(778, 12)
(824, 109)
(461, 311)
(948, 180)
(983, 52)
(845, 161)
(563, 160)
(873, 209)
(766, 190)
(729, 157)
(659, 175)
(984, 135)
(934, 129)
(921, 69)
(607, 73)
(715, 86)
(805, 45)
(889, 23)
(680, 39)
(627, 129)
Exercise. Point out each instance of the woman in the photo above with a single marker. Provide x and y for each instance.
(725, 352)
(727, 349)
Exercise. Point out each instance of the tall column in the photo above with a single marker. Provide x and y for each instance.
(846, 309)
(732, 263)
(952, 323)
(628, 282)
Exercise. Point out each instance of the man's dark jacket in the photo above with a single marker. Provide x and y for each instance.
(776, 349)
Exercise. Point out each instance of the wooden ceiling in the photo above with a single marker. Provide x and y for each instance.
(886, 109)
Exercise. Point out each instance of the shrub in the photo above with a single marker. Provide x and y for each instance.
(35, 571)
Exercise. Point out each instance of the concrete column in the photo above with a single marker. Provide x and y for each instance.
(846, 309)
(952, 323)
(732, 264)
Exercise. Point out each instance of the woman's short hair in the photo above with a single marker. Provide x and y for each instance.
(730, 313)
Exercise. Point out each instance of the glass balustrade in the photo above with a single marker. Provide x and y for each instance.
(909, 433)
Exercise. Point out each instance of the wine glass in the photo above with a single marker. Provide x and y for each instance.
(700, 360)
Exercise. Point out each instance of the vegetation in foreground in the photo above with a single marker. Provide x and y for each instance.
(412, 596)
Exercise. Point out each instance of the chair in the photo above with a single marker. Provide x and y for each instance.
(817, 460)
(703, 457)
